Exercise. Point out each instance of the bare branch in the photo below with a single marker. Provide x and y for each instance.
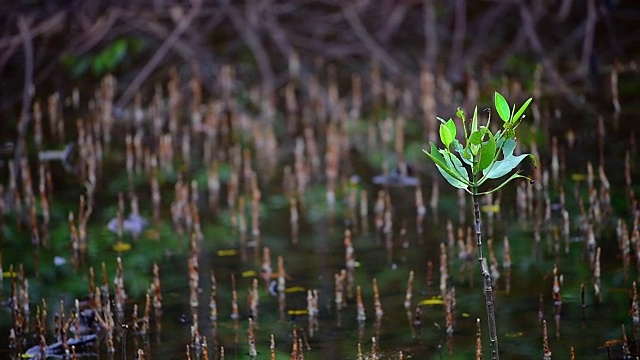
(430, 34)
(361, 32)
(547, 64)
(252, 39)
(457, 46)
(587, 44)
(182, 26)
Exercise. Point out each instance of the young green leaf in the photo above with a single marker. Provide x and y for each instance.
(524, 107)
(476, 137)
(452, 128)
(444, 166)
(474, 121)
(533, 160)
(445, 135)
(514, 176)
(454, 163)
(465, 153)
(502, 107)
(457, 146)
(450, 179)
(487, 153)
(454, 172)
(435, 155)
(506, 165)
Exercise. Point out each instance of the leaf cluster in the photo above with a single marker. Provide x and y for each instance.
(105, 61)
(483, 155)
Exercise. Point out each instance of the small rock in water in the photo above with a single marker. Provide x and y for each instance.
(134, 224)
(402, 176)
(59, 261)
(273, 288)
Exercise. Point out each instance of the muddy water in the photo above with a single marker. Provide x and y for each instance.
(319, 253)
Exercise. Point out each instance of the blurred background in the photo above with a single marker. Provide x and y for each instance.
(58, 45)
(130, 128)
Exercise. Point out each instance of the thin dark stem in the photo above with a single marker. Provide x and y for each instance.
(488, 288)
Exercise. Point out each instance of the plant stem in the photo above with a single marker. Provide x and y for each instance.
(488, 288)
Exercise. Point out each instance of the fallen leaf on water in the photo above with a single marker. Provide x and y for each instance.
(7, 274)
(121, 246)
(578, 177)
(490, 208)
(294, 289)
(298, 312)
(249, 273)
(436, 300)
(227, 252)
(514, 334)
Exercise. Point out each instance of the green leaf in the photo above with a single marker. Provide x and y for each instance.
(513, 111)
(512, 177)
(502, 107)
(465, 153)
(450, 179)
(434, 154)
(506, 165)
(109, 58)
(452, 128)
(439, 160)
(524, 107)
(476, 137)
(474, 122)
(457, 146)
(454, 163)
(461, 115)
(445, 167)
(474, 149)
(457, 175)
(487, 153)
(533, 160)
(509, 147)
(445, 135)
(499, 138)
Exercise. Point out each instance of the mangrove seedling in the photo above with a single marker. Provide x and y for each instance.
(483, 156)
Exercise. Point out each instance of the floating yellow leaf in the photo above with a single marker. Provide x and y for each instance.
(466, 315)
(436, 300)
(249, 273)
(514, 334)
(298, 312)
(7, 274)
(121, 246)
(294, 289)
(227, 252)
(490, 208)
(578, 177)
(357, 264)
(151, 234)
